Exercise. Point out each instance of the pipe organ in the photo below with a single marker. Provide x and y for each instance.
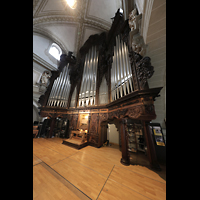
(87, 95)
(60, 90)
(121, 74)
(106, 83)
(103, 92)
(72, 104)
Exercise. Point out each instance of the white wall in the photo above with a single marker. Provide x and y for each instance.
(41, 46)
(35, 114)
(112, 134)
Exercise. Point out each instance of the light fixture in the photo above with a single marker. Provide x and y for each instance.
(72, 3)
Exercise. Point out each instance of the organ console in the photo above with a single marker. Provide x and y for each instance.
(108, 82)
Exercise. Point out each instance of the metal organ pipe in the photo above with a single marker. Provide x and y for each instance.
(88, 79)
(130, 78)
(60, 89)
(118, 68)
(126, 67)
(56, 94)
(121, 74)
(62, 97)
(68, 86)
(95, 74)
(91, 94)
(88, 85)
(52, 93)
(73, 99)
(115, 74)
(121, 67)
(64, 85)
(81, 95)
(103, 92)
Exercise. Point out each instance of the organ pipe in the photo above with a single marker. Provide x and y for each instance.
(121, 75)
(88, 85)
(121, 80)
(73, 99)
(103, 92)
(60, 89)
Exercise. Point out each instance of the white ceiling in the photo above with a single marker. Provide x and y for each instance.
(70, 28)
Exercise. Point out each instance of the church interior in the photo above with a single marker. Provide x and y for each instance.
(99, 99)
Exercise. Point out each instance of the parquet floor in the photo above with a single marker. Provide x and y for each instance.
(62, 172)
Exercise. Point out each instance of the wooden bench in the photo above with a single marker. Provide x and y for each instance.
(79, 133)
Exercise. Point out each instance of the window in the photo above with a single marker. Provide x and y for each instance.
(55, 51)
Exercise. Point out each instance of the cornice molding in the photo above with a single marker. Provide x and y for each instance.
(41, 31)
(70, 20)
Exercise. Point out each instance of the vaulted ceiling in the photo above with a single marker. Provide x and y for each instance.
(70, 28)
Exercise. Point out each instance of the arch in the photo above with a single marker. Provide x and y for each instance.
(51, 37)
(104, 124)
(120, 124)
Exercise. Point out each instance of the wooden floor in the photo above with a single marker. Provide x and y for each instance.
(62, 172)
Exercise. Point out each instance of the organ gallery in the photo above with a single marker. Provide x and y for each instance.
(105, 83)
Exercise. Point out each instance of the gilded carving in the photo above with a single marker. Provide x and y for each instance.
(103, 116)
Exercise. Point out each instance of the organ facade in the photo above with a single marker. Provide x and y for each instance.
(105, 83)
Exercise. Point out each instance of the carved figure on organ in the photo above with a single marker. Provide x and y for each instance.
(45, 77)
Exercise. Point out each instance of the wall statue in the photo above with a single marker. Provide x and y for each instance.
(134, 20)
(137, 41)
(45, 77)
(138, 44)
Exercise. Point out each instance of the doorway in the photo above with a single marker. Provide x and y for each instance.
(110, 135)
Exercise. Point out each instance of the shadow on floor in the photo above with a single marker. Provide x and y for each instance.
(141, 159)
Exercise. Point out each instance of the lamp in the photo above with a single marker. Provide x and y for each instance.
(72, 3)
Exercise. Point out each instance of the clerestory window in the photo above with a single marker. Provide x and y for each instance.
(55, 51)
